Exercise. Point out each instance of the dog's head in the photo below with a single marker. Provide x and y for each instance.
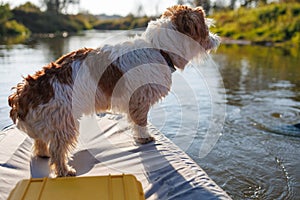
(192, 22)
(183, 32)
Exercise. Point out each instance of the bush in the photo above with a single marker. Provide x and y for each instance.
(14, 28)
(277, 22)
(44, 22)
(8, 26)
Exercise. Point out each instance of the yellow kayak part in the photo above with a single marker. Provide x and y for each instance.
(112, 187)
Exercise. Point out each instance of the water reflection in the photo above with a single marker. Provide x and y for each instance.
(11, 40)
(263, 93)
(249, 70)
(54, 48)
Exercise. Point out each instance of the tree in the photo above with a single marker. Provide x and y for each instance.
(9, 26)
(5, 13)
(57, 6)
(204, 3)
(232, 4)
(28, 7)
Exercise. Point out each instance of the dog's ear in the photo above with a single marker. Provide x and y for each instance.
(188, 21)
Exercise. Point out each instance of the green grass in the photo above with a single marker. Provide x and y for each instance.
(275, 23)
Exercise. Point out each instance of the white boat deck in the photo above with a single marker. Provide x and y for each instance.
(106, 147)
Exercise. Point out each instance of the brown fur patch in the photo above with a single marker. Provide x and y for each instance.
(189, 21)
(109, 79)
(36, 89)
(64, 74)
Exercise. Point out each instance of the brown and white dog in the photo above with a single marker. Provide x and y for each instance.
(127, 77)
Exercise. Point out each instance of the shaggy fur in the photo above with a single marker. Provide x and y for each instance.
(128, 77)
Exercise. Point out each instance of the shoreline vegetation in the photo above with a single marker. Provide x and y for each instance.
(275, 24)
(27, 20)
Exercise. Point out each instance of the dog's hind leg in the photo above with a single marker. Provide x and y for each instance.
(59, 149)
(41, 149)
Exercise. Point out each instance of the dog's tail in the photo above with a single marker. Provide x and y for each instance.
(13, 101)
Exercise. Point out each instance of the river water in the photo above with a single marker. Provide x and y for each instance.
(239, 106)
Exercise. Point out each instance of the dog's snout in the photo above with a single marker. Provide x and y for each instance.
(212, 42)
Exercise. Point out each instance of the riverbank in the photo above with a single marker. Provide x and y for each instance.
(28, 20)
(275, 24)
(272, 24)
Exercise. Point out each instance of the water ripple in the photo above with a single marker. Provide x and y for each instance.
(281, 119)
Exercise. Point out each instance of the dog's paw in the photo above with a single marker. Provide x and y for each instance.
(70, 172)
(144, 140)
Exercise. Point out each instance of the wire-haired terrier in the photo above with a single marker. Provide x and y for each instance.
(127, 77)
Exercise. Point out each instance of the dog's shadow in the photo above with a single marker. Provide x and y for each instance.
(82, 161)
(39, 167)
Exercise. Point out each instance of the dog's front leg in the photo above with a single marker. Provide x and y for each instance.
(41, 149)
(141, 134)
(138, 114)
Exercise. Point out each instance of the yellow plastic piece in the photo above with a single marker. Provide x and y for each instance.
(112, 187)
